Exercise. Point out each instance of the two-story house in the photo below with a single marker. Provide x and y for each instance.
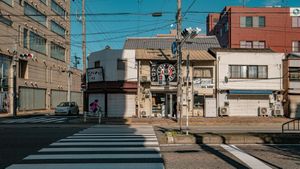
(292, 85)
(249, 82)
(157, 75)
(112, 80)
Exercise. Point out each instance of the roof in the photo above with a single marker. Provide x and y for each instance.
(245, 50)
(293, 56)
(158, 54)
(198, 43)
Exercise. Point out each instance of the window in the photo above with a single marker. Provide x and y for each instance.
(57, 9)
(253, 44)
(37, 43)
(57, 52)
(25, 38)
(198, 101)
(34, 14)
(259, 44)
(296, 21)
(121, 65)
(245, 44)
(23, 69)
(56, 28)
(5, 20)
(295, 46)
(9, 2)
(252, 72)
(261, 21)
(248, 72)
(203, 72)
(249, 21)
(252, 21)
(294, 74)
(97, 64)
(44, 1)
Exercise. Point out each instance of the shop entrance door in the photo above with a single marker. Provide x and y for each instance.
(170, 101)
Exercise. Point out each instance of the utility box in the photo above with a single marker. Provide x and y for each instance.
(210, 107)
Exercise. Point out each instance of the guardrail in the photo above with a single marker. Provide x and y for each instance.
(92, 115)
(293, 125)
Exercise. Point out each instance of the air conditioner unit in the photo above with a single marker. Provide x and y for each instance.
(263, 111)
(278, 112)
(279, 98)
(145, 79)
(224, 111)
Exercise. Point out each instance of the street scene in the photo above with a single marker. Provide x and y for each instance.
(160, 84)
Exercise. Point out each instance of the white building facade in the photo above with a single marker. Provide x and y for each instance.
(112, 80)
(249, 82)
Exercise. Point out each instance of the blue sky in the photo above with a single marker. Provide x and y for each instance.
(112, 30)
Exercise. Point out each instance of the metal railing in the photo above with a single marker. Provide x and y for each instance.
(293, 125)
(98, 115)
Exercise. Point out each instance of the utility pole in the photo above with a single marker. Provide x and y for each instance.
(179, 59)
(84, 56)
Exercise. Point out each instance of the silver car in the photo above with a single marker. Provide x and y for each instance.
(67, 108)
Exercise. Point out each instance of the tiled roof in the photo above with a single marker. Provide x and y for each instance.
(199, 43)
(250, 50)
(158, 54)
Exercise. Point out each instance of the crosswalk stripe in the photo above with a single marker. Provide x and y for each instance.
(90, 156)
(120, 135)
(89, 166)
(113, 136)
(87, 149)
(104, 143)
(109, 149)
(246, 158)
(35, 120)
(111, 139)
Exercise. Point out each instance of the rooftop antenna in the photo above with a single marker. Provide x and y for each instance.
(244, 3)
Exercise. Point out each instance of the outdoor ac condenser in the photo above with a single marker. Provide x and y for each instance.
(224, 111)
(263, 111)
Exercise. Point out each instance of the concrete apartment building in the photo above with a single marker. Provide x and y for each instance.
(35, 46)
(277, 28)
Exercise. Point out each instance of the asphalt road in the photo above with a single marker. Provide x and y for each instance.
(215, 156)
(23, 138)
(19, 140)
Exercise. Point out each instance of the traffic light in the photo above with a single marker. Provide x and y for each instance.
(26, 55)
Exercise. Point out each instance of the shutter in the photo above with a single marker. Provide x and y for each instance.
(39, 101)
(58, 97)
(121, 105)
(77, 97)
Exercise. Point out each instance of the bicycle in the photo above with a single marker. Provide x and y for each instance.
(98, 113)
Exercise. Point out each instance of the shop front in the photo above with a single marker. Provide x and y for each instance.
(5, 63)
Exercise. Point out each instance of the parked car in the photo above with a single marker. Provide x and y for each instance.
(67, 108)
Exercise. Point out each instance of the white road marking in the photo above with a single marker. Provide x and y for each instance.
(94, 149)
(114, 137)
(90, 156)
(246, 158)
(89, 166)
(109, 139)
(104, 143)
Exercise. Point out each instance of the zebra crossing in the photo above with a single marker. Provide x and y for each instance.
(100, 146)
(43, 119)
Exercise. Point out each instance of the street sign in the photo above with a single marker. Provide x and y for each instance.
(174, 48)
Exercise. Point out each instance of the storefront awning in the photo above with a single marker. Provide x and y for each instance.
(250, 92)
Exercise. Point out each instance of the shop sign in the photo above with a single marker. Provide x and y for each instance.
(202, 83)
(294, 11)
(95, 75)
(163, 73)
